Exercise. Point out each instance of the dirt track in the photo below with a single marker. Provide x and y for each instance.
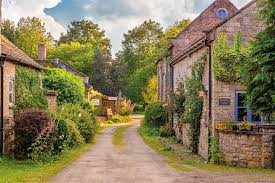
(103, 163)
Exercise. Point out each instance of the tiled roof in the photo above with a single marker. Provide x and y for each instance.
(10, 50)
(62, 65)
(206, 21)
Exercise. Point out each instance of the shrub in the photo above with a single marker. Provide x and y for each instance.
(28, 91)
(119, 119)
(70, 88)
(155, 114)
(83, 120)
(69, 133)
(89, 107)
(139, 108)
(126, 108)
(166, 131)
(215, 155)
(42, 149)
(27, 127)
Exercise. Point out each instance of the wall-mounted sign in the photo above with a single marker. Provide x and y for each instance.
(95, 102)
(112, 98)
(224, 101)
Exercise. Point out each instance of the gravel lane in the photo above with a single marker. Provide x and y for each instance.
(104, 163)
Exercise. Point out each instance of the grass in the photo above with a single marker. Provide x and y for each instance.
(13, 171)
(118, 137)
(178, 156)
(118, 119)
(139, 113)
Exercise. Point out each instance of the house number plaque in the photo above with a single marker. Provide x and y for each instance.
(224, 101)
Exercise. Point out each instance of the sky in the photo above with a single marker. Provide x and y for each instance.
(114, 16)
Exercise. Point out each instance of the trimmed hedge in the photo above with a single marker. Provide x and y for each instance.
(155, 114)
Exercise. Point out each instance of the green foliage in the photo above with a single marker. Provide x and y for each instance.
(228, 60)
(166, 131)
(215, 155)
(42, 149)
(83, 120)
(75, 54)
(119, 119)
(8, 30)
(69, 134)
(28, 34)
(155, 115)
(85, 32)
(193, 102)
(137, 82)
(28, 126)
(178, 100)
(28, 90)
(150, 93)
(70, 88)
(258, 72)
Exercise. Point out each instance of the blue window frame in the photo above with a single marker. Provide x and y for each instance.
(242, 112)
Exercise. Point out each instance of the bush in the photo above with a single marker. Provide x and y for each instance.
(216, 156)
(83, 120)
(119, 119)
(139, 108)
(166, 131)
(69, 133)
(28, 91)
(70, 88)
(27, 127)
(155, 114)
(89, 107)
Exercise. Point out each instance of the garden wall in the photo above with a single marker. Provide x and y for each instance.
(248, 149)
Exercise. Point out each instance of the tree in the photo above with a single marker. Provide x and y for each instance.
(99, 71)
(8, 30)
(85, 32)
(140, 45)
(259, 73)
(70, 88)
(30, 32)
(150, 94)
(137, 83)
(75, 54)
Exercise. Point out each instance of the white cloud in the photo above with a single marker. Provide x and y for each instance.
(16, 9)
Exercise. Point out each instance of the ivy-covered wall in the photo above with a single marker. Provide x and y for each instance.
(28, 90)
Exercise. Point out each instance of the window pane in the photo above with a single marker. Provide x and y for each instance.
(256, 118)
(242, 114)
(241, 99)
(10, 98)
(11, 86)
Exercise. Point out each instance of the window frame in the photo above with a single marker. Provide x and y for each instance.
(249, 111)
(11, 91)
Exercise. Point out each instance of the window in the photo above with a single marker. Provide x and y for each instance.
(242, 112)
(222, 13)
(11, 92)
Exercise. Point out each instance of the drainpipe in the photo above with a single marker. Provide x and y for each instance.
(210, 81)
(2, 59)
(172, 88)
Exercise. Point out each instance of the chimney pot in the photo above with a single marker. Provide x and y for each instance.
(42, 55)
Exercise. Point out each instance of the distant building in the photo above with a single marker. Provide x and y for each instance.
(56, 63)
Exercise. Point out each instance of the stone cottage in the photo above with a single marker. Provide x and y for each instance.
(56, 63)
(221, 100)
(11, 57)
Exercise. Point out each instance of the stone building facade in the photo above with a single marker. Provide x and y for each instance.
(220, 99)
(11, 57)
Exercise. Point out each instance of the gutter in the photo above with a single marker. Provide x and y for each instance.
(2, 59)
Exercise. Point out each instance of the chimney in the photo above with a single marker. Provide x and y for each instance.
(42, 55)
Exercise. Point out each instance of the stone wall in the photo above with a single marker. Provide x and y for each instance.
(9, 73)
(248, 149)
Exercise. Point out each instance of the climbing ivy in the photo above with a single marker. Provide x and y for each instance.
(227, 59)
(193, 102)
(28, 90)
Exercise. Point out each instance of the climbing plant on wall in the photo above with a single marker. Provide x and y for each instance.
(28, 90)
(227, 59)
(193, 102)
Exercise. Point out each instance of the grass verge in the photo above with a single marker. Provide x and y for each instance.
(178, 156)
(13, 171)
(119, 136)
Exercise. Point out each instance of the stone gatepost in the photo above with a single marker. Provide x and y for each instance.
(52, 100)
(267, 145)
